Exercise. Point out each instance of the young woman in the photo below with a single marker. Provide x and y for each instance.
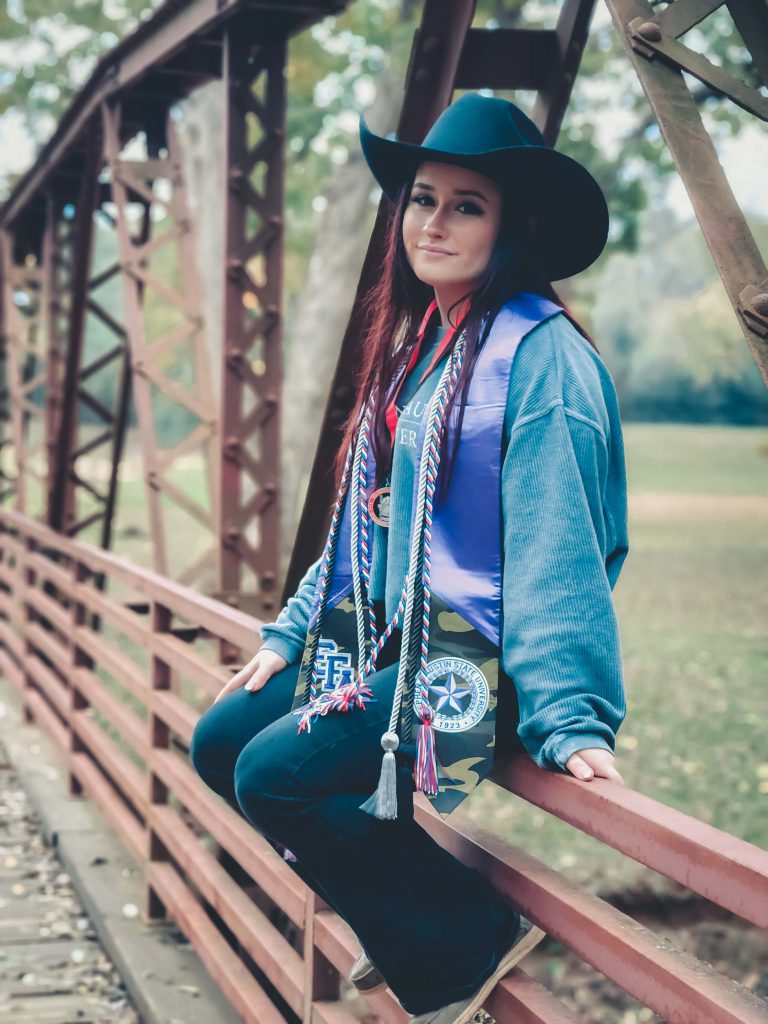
(463, 602)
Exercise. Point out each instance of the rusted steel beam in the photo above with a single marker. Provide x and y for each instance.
(158, 738)
(127, 783)
(506, 58)
(128, 725)
(58, 250)
(40, 712)
(162, 39)
(47, 684)
(236, 627)
(252, 356)
(751, 21)
(149, 355)
(73, 296)
(553, 96)
(662, 41)
(25, 369)
(728, 871)
(321, 981)
(225, 966)
(520, 998)
(236, 836)
(249, 924)
(434, 62)
(669, 981)
(179, 716)
(94, 785)
(722, 222)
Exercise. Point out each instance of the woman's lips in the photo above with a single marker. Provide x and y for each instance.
(435, 252)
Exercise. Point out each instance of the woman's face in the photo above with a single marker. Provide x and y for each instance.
(450, 225)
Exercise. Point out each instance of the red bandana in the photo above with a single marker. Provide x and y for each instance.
(391, 413)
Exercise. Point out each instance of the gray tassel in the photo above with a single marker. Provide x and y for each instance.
(383, 803)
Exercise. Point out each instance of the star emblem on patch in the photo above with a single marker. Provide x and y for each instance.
(451, 693)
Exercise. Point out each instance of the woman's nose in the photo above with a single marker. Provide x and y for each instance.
(435, 221)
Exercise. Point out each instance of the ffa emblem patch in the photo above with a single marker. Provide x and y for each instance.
(458, 693)
(334, 666)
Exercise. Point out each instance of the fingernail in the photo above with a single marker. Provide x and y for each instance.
(586, 774)
(249, 686)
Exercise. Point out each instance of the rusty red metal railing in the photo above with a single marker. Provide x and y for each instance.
(118, 671)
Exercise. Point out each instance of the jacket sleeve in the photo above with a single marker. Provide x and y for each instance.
(560, 638)
(287, 634)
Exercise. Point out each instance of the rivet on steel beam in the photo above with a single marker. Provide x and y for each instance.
(268, 579)
(232, 447)
(232, 534)
(234, 267)
(432, 44)
(272, 310)
(760, 304)
(423, 76)
(268, 603)
(152, 480)
(276, 221)
(234, 357)
(649, 30)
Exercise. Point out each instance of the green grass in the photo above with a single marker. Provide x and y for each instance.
(681, 458)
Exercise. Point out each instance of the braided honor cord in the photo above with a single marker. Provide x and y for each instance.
(383, 803)
(320, 703)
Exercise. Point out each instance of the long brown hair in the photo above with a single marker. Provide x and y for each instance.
(392, 309)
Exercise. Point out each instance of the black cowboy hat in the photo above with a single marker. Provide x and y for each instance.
(494, 137)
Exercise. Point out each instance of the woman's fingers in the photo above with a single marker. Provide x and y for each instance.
(594, 761)
(579, 767)
(267, 664)
(255, 674)
(241, 677)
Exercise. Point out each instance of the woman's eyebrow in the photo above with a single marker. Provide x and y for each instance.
(457, 191)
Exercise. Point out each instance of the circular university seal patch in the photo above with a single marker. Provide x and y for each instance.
(379, 504)
(458, 693)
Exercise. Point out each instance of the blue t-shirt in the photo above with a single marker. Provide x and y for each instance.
(391, 545)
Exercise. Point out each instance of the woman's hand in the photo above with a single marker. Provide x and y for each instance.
(594, 761)
(255, 674)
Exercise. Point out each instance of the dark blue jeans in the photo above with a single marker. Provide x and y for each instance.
(435, 928)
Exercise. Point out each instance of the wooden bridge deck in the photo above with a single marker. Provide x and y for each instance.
(53, 968)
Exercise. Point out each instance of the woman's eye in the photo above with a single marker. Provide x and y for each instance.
(466, 206)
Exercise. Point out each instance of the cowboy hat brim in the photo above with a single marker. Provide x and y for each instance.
(571, 211)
